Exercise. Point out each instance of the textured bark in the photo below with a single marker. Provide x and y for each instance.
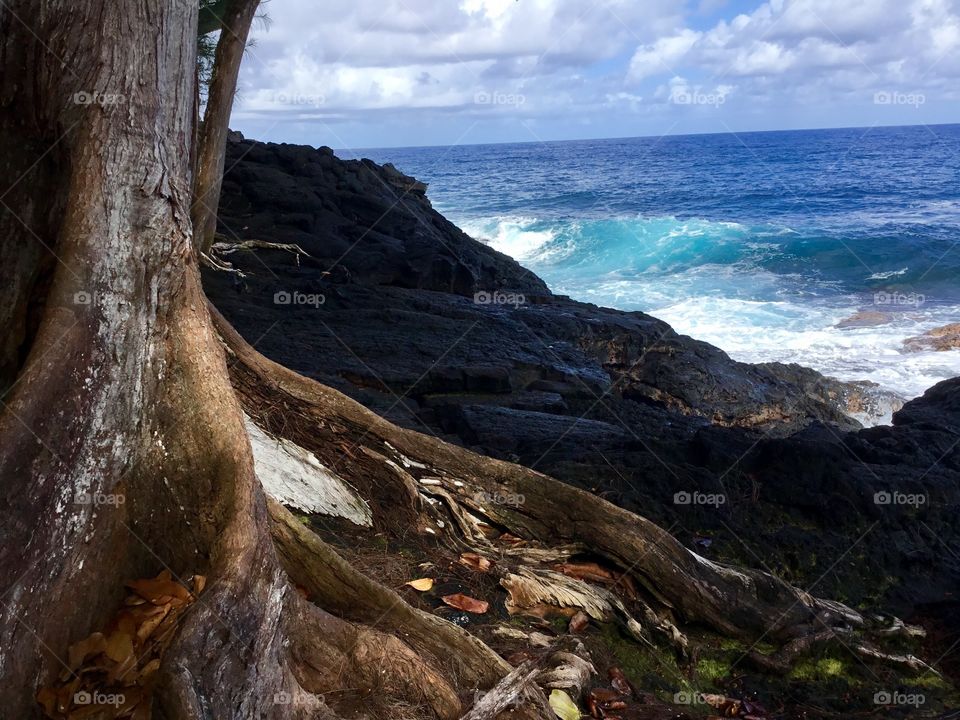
(121, 391)
(235, 20)
(124, 378)
(333, 584)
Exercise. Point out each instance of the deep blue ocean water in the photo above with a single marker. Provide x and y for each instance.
(760, 243)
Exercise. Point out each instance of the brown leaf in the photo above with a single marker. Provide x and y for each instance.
(80, 651)
(199, 583)
(604, 695)
(65, 695)
(475, 561)
(466, 603)
(151, 623)
(579, 622)
(518, 658)
(586, 571)
(619, 681)
(164, 632)
(127, 623)
(421, 585)
(47, 697)
(160, 590)
(119, 646)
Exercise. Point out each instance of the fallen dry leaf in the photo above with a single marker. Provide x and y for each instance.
(151, 623)
(619, 681)
(586, 571)
(563, 706)
(423, 584)
(124, 658)
(199, 583)
(119, 646)
(579, 622)
(160, 590)
(80, 651)
(475, 561)
(466, 603)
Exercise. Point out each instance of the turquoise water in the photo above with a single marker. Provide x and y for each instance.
(760, 243)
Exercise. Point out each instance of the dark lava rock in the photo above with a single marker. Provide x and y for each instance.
(370, 221)
(399, 309)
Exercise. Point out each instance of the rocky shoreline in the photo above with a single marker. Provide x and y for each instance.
(396, 307)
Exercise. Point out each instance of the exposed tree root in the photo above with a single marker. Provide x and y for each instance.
(334, 584)
(215, 257)
(530, 525)
(782, 661)
(517, 689)
(690, 589)
(225, 247)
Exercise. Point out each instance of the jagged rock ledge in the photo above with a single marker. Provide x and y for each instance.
(401, 310)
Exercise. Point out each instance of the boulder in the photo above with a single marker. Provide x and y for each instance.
(942, 338)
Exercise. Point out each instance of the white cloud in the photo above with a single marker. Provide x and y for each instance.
(363, 54)
(348, 61)
(816, 47)
(660, 56)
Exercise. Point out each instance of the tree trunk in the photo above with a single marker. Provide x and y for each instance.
(235, 27)
(122, 447)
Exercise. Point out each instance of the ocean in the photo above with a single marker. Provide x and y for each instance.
(759, 243)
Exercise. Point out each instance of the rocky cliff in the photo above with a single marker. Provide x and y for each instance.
(392, 304)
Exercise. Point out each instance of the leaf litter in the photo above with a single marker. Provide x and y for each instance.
(111, 674)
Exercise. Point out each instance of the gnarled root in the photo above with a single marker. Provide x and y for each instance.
(740, 603)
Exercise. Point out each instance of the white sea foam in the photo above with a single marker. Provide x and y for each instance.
(692, 274)
(807, 334)
(887, 275)
(510, 235)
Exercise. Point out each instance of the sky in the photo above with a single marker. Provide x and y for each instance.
(357, 74)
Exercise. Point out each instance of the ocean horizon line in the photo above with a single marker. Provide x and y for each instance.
(356, 151)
